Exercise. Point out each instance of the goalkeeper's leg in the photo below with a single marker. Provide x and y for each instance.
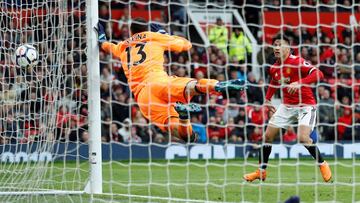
(181, 130)
(304, 137)
(264, 153)
(205, 86)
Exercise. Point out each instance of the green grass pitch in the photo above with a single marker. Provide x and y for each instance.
(213, 180)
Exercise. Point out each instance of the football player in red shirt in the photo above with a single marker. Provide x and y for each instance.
(293, 75)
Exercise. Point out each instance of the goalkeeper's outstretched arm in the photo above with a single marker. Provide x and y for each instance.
(109, 47)
(106, 46)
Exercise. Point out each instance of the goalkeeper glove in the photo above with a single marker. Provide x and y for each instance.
(154, 27)
(100, 30)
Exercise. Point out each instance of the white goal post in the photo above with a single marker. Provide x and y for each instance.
(35, 148)
(95, 157)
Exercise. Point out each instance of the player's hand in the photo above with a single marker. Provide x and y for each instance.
(270, 107)
(100, 30)
(154, 27)
(293, 87)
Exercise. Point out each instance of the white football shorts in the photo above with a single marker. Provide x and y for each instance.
(287, 115)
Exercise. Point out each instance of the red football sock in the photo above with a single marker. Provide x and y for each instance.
(206, 85)
(182, 127)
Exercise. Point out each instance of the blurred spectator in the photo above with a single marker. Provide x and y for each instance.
(214, 131)
(120, 107)
(256, 135)
(289, 135)
(106, 75)
(305, 35)
(256, 115)
(10, 129)
(104, 12)
(343, 90)
(114, 133)
(218, 35)
(238, 71)
(125, 130)
(143, 131)
(240, 46)
(211, 108)
(199, 128)
(62, 117)
(343, 122)
(134, 137)
(106, 109)
(241, 116)
(85, 137)
(237, 132)
(159, 138)
(231, 111)
(353, 132)
(254, 92)
(251, 13)
(357, 66)
(178, 11)
(327, 115)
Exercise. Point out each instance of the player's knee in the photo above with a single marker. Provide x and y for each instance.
(268, 137)
(186, 134)
(185, 131)
(305, 139)
(190, 87)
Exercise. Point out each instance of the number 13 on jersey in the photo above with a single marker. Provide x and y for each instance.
(140, 52)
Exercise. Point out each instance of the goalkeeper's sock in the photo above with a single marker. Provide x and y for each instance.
(264, 154)
(205, 86)
(181, 128)
(315, 152)
(184, 129)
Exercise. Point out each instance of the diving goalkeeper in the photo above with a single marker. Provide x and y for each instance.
(162, 99)
(293, 75)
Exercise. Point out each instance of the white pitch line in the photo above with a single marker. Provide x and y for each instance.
(161, 198)
(201, 181)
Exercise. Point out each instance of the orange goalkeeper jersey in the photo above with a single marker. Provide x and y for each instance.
(142, 56)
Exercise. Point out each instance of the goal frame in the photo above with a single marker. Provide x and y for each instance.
(94, 184)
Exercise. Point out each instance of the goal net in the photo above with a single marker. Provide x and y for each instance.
(43, 108)
(44, 142)
(232, 125)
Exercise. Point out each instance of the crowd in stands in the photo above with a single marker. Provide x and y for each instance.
(241, 117)
(233, 117)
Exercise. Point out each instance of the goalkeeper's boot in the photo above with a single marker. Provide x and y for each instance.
(258, 174)
(193, 138)
(325, 171)
(184, 110)
(224, 86)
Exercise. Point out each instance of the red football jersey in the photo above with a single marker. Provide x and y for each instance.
(293, 69)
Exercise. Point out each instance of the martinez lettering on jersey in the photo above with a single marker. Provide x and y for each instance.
(136, 37)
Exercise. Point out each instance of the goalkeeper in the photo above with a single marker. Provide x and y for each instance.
(162, 99)
(293, 75)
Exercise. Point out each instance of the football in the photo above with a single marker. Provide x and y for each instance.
(26, 56)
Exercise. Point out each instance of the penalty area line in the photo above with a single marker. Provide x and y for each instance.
(159, 198)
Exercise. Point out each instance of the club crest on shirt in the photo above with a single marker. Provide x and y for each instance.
(288, 70)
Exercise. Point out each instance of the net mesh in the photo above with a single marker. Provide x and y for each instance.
(319, 32)
(42, 108)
